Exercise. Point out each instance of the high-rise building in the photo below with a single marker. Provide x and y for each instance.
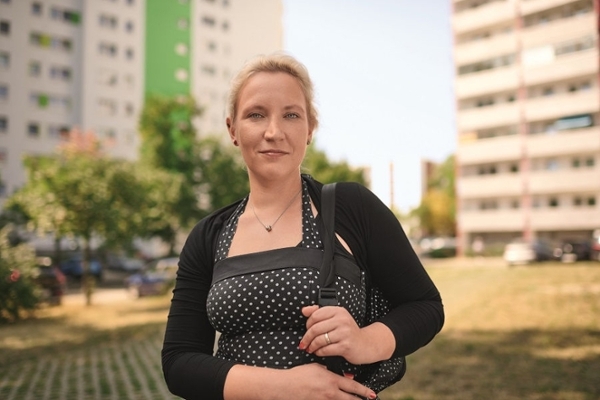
(88, 64)
(528, 102)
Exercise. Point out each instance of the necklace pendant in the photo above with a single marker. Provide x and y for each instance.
(269, 228)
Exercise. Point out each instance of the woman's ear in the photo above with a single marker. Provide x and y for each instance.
(231, 130)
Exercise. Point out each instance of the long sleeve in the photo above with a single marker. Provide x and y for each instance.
(190, 369)
(381, 246)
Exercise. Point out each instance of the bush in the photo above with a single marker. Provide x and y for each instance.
(18, 290)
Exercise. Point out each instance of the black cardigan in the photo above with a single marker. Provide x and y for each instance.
(377, 242)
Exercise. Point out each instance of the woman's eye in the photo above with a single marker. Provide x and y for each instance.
(254, 115)
(292, 115)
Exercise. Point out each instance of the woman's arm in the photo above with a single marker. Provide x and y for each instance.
(376, 237)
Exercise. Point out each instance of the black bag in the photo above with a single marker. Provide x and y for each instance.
(379, 375)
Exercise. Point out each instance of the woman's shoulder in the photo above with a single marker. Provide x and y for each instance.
(214, 221)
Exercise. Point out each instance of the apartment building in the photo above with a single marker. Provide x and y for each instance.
(88, 64)
(528, 102)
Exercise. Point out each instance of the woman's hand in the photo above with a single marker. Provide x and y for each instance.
(332, 331)
(313, 382)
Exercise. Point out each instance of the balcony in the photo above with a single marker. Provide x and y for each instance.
(487, 186)
(491, 221)
(567, 142)
(472, 52)
(565, 181)
(486, 15)
(532, 6)
(558, 106)
(559, 31)
(484, 82)
(504, 148)
(565, 219)
(563, 68)
(488, 117)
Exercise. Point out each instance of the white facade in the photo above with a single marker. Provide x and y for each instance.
(80, 64)
(225, 35)
(528, 103)
(68, 66)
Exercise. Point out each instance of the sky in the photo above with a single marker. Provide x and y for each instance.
(383, 75)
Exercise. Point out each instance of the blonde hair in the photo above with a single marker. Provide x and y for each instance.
(277, 62)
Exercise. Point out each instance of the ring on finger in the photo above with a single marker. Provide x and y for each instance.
(327, 338)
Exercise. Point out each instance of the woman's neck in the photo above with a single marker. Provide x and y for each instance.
(267, 194)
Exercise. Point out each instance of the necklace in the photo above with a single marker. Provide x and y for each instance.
(269, 228)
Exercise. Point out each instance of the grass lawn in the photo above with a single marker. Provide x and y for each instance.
(528, 332)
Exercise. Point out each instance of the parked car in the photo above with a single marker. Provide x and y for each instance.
(124, 264)
(438, 247)
(73, 267)
(525, 252)
(574, 250)
(156, 279)
(51, 280)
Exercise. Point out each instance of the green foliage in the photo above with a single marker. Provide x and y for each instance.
(437, 211)
(223, 176)
(168, 134)
(18, 291)
(322, 169)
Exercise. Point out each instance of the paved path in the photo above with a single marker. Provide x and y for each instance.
(130, 370)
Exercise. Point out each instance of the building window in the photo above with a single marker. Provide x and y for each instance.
(208, 21)
(36, 8)
(577, 201)
(3, 124)
(107, 77)
(4, 60)
(493, 63)
(129, 26)
(3, 92)
(573, 46)
(3, 158)
(130, 2)
(58, 132)
(551, 165)
(35, 68)
(553, 202)
(225, 26)
(514, 168)
(129, 54)
(44, 40)
(60, 73)
(107, 107)
(590, 162)
(591, 201)
(4, 28)
(181, 49)
(129, 109)
(107, 21)
(64, 15)
(181, 75)
(33, 129)
(107, 49)
(208, 69)
(515, 204)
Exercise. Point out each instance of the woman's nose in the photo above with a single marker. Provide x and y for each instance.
(274, 129)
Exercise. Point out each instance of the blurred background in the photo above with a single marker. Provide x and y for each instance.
(476, 121)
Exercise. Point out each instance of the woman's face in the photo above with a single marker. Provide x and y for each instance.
(271, 126)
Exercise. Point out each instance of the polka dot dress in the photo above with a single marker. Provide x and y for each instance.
(256, 299)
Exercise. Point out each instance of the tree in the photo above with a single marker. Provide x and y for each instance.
(17, 285)
(222, 175)
(321, 168)
(82, 193)
(169, 144)
(437, 211)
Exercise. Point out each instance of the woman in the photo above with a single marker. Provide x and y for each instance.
(248, 269)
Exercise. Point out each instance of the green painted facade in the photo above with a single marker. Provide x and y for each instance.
(167, 26)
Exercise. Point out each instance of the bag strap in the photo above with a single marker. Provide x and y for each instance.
(328, 293)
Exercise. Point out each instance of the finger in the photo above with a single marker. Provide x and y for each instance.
(353, 387)
(309, 310)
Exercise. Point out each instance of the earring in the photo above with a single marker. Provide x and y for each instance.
(235, 143)
(307, 142)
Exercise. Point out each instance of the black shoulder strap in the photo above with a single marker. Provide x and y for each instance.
(327, 293)
(327, 275)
